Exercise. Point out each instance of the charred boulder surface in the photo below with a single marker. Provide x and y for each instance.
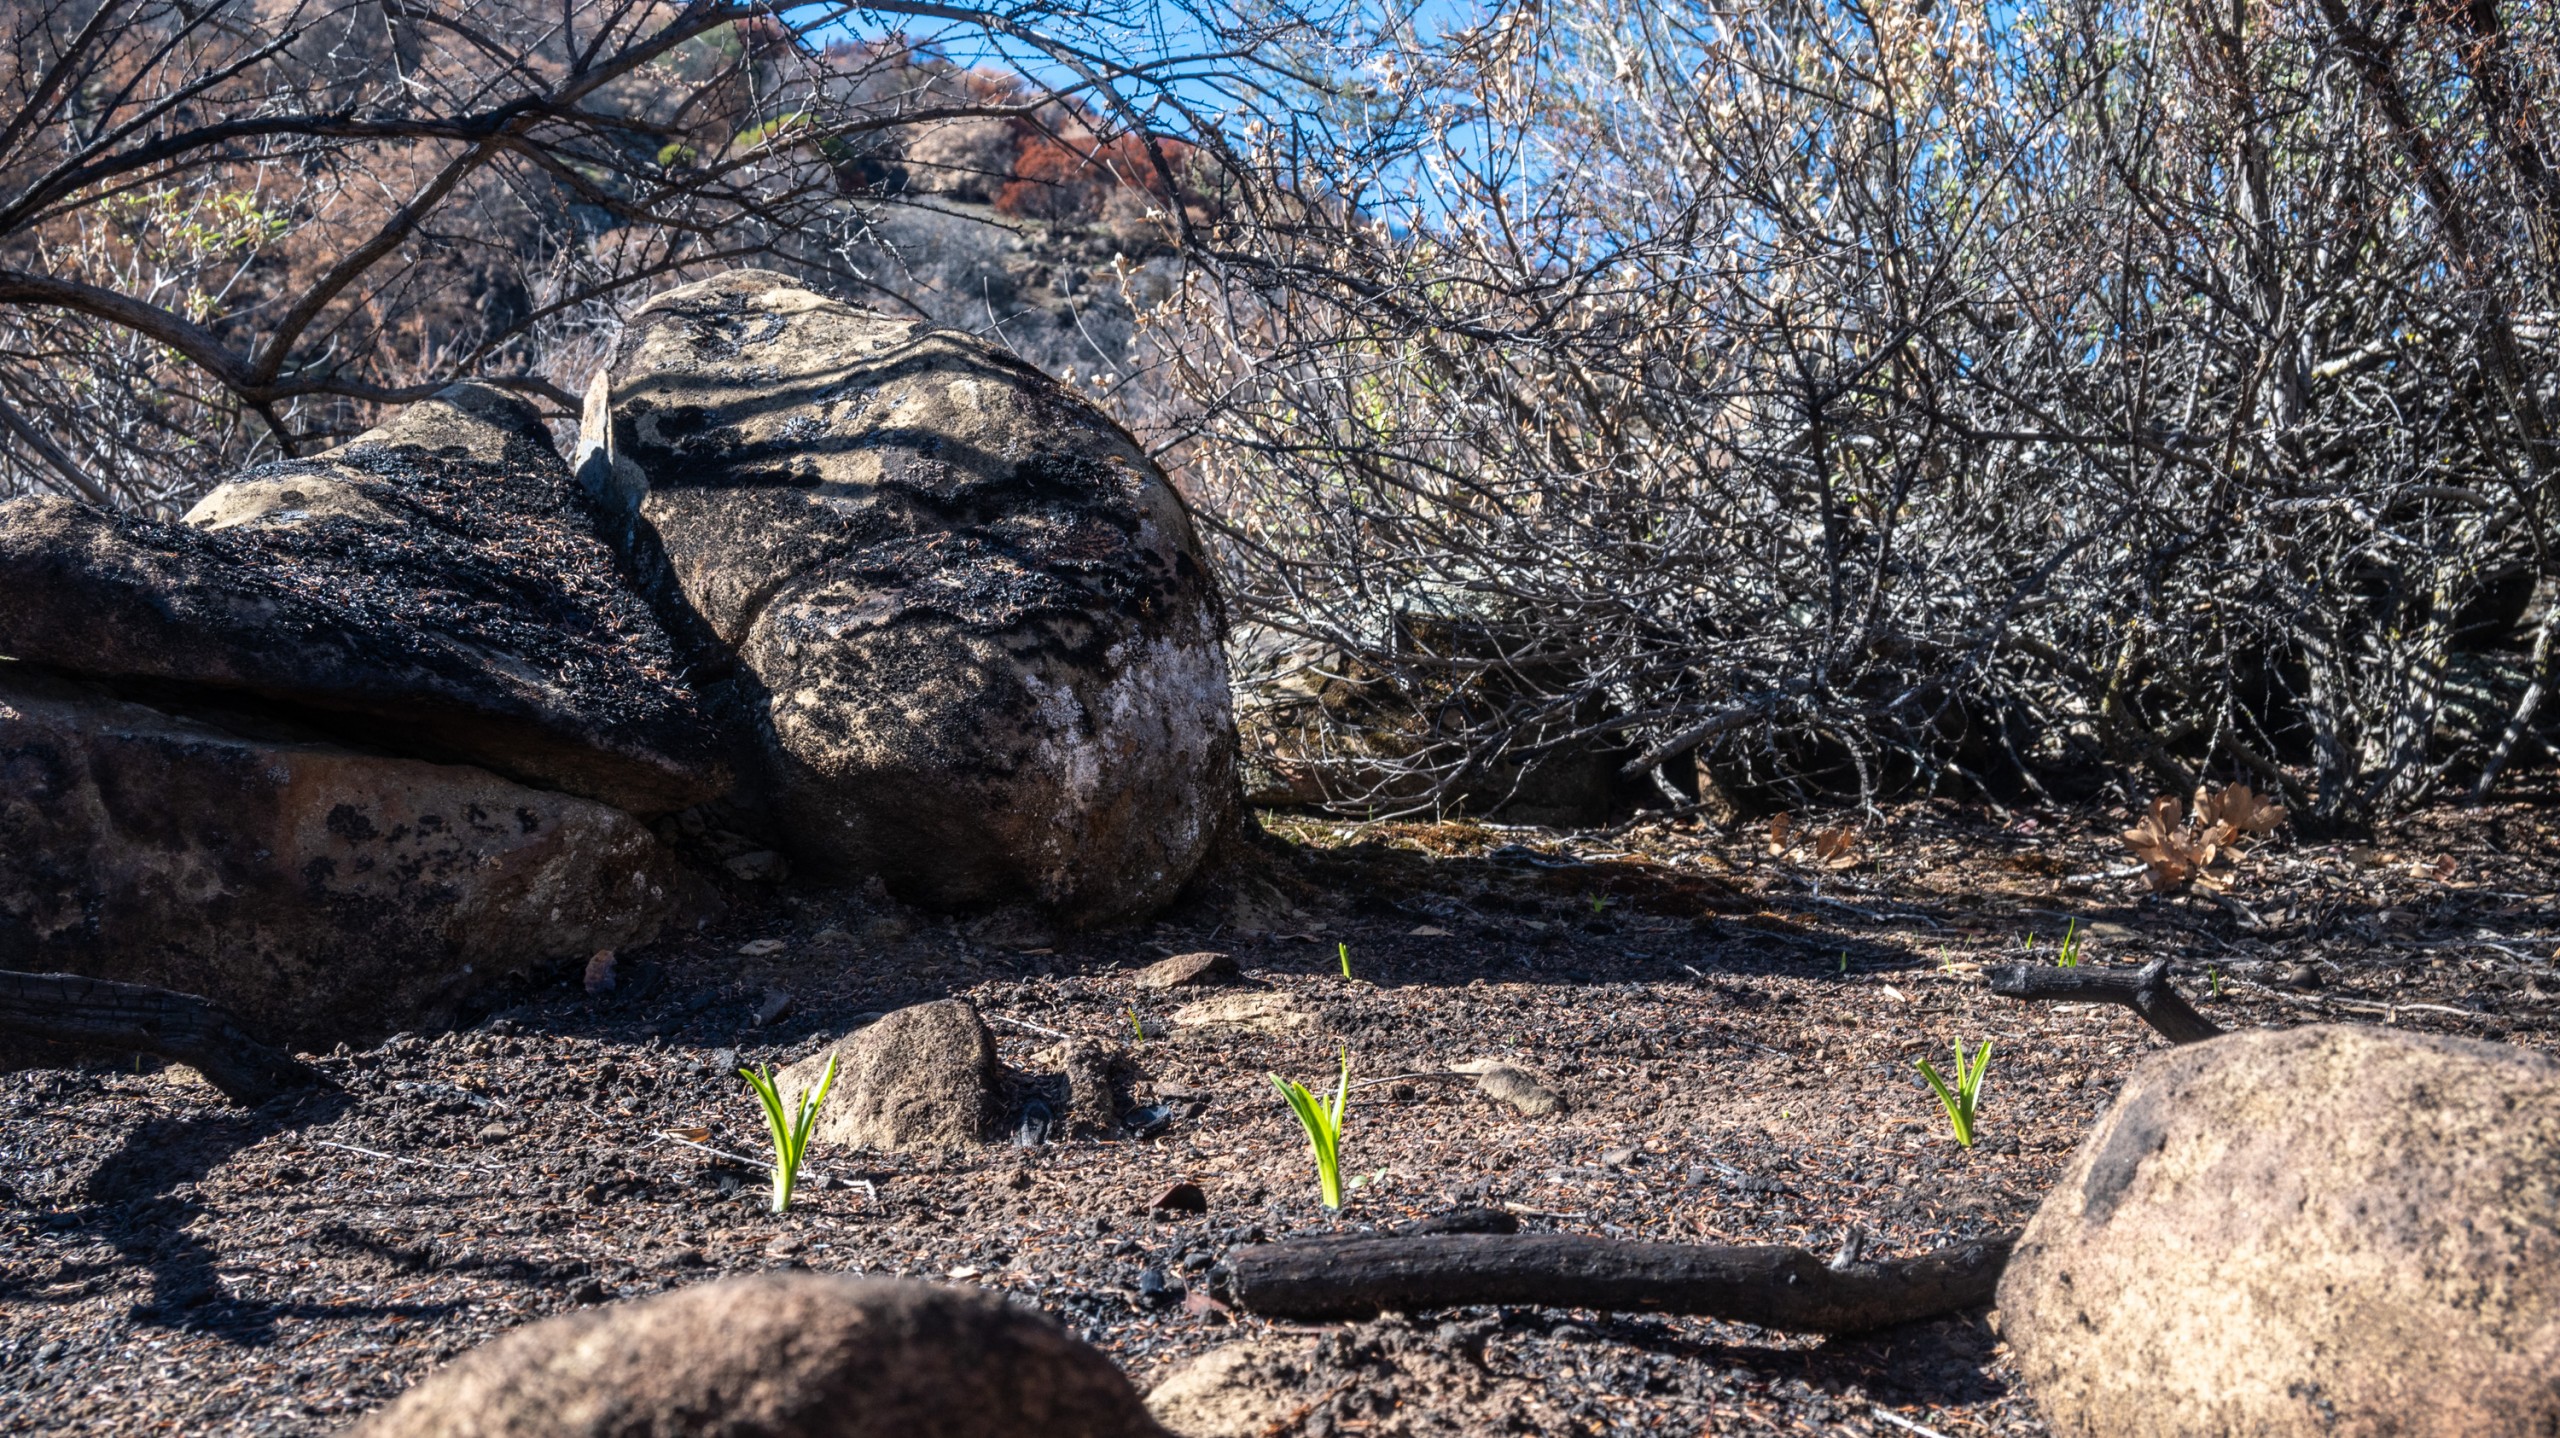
(316, 891)
(969, 617)
(437, 586)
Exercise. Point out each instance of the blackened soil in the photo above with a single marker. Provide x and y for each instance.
(1734, 1027)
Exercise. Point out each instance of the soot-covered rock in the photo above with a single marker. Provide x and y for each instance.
(317, 892)
(2322, 1230)
(437, 587)
(971, 615)
(780, 1355)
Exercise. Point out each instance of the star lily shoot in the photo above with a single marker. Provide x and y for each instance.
(1323, 1126)
(790, 1129)
(1962, 1101)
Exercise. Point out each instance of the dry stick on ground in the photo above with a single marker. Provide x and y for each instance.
(2147, 992)
(100, 1013)
(1771, 1286)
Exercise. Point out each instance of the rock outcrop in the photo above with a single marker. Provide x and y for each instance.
(316, 891)
(972, 616)
(922, 1078)
(2328, 1230)
(365, 731)
(437, 586)
(779, 1355)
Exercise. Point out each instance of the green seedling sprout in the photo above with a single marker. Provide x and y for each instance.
(1323, 1126)
(1344, 952)
(2070, 957)
(790, 1130)
(2216, 976)
(1843, 966)
(1963, 1103)
(1135, 1027)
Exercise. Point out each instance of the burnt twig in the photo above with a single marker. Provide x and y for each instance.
(2146, 991)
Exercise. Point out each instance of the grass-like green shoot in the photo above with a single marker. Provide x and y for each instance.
(1323, 1126)
(1843, 966)
(2070, 956)
(1963, 1102)
(1136, 1029)
(790, 1131)
(1343, 951)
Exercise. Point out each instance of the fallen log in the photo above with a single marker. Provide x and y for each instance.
(2147, 992)
(136, 1018)
(1783, 1288)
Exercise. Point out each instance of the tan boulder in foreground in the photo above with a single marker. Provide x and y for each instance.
(779, 1355)
(2329, 1230)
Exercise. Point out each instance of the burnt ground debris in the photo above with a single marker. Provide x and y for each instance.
(1733, 1030)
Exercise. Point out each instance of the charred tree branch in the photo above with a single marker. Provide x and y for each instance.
(2147, 992)
(1776, 1287)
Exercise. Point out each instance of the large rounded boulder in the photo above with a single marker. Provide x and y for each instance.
(2328, 1230)
(780, 1355)
(318, 892)
(364, 732)
(970, 617)
(438, 586)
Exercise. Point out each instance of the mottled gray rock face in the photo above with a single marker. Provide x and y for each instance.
(924, 1077)
(437, 586)
(2326, 1230)
(780, 1355)
(971, 615)
(317, 892)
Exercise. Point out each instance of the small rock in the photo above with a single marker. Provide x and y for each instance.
(1189, 971)
(1259, 1011)
(1243, 1388)
(1183, 1197)
(759, 866)
(885, 930)
(779, 1355)
(777, 1002)
(1156, 1288)
(50, 1351)
(496, 1132)
(831, 935)
(2302, 976)
(686, 1257)
(1032, 1129)
(1092, 1107)
(1513, 1085)
(783, 1247)
(1402, 1092)
(761, 948)
(1620, 1157)
(923, 1077)
(600, 978)
(589, 1291)
(1147, 1122)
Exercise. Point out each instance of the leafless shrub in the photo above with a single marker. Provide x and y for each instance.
(1885, 395)
(236, 228)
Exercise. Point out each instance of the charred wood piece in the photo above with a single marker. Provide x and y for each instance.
(136, 1018)
(2147, 992)
(1776, 1287)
